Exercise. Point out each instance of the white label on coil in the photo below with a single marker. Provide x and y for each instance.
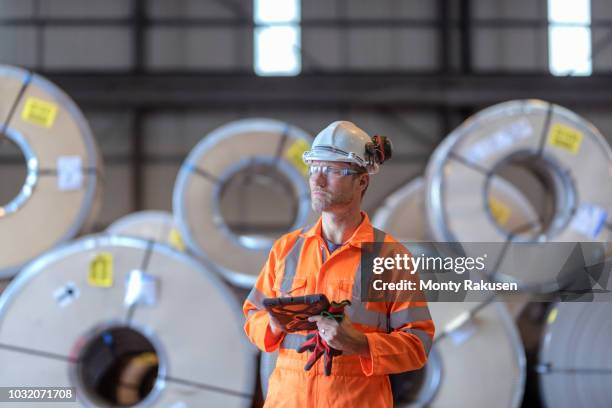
(589, 220)
(500, 140)
(69, 173)
(141, 288)
(66, 294)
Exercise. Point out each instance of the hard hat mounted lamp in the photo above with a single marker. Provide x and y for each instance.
(380, 149)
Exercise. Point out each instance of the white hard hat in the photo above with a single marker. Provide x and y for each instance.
(342, 141)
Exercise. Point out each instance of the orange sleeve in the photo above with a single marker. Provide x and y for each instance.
(257, 325)
(410, 333)
(406, 347)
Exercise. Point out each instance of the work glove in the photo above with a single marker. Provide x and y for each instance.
(318, 346)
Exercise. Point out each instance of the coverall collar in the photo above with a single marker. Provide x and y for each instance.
(363, 233)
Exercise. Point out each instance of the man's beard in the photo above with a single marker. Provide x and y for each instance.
(328, 201)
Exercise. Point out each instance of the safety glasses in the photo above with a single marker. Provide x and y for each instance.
(334, 171)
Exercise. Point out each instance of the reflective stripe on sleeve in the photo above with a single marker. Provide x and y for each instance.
(423, 336)
(409, 315)
(256, 297)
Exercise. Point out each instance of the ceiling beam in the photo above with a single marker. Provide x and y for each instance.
(222, 91)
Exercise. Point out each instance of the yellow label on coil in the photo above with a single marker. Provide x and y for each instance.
(500, 211)
(565, 137)
(176, 240)
(147, 358)
(39, 112)
(552, 316)
(294, 155)
(101, 271)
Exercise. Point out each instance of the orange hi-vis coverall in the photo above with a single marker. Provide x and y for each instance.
(399, 334)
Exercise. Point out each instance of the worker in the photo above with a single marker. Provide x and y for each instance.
(373, 339)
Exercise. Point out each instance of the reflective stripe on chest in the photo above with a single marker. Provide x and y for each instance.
(357, 313)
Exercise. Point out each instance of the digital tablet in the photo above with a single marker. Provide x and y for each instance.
(293, 312)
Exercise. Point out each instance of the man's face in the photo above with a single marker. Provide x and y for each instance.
(331, 191)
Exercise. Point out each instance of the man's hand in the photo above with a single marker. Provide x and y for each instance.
(342, 336)
(275, 327)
